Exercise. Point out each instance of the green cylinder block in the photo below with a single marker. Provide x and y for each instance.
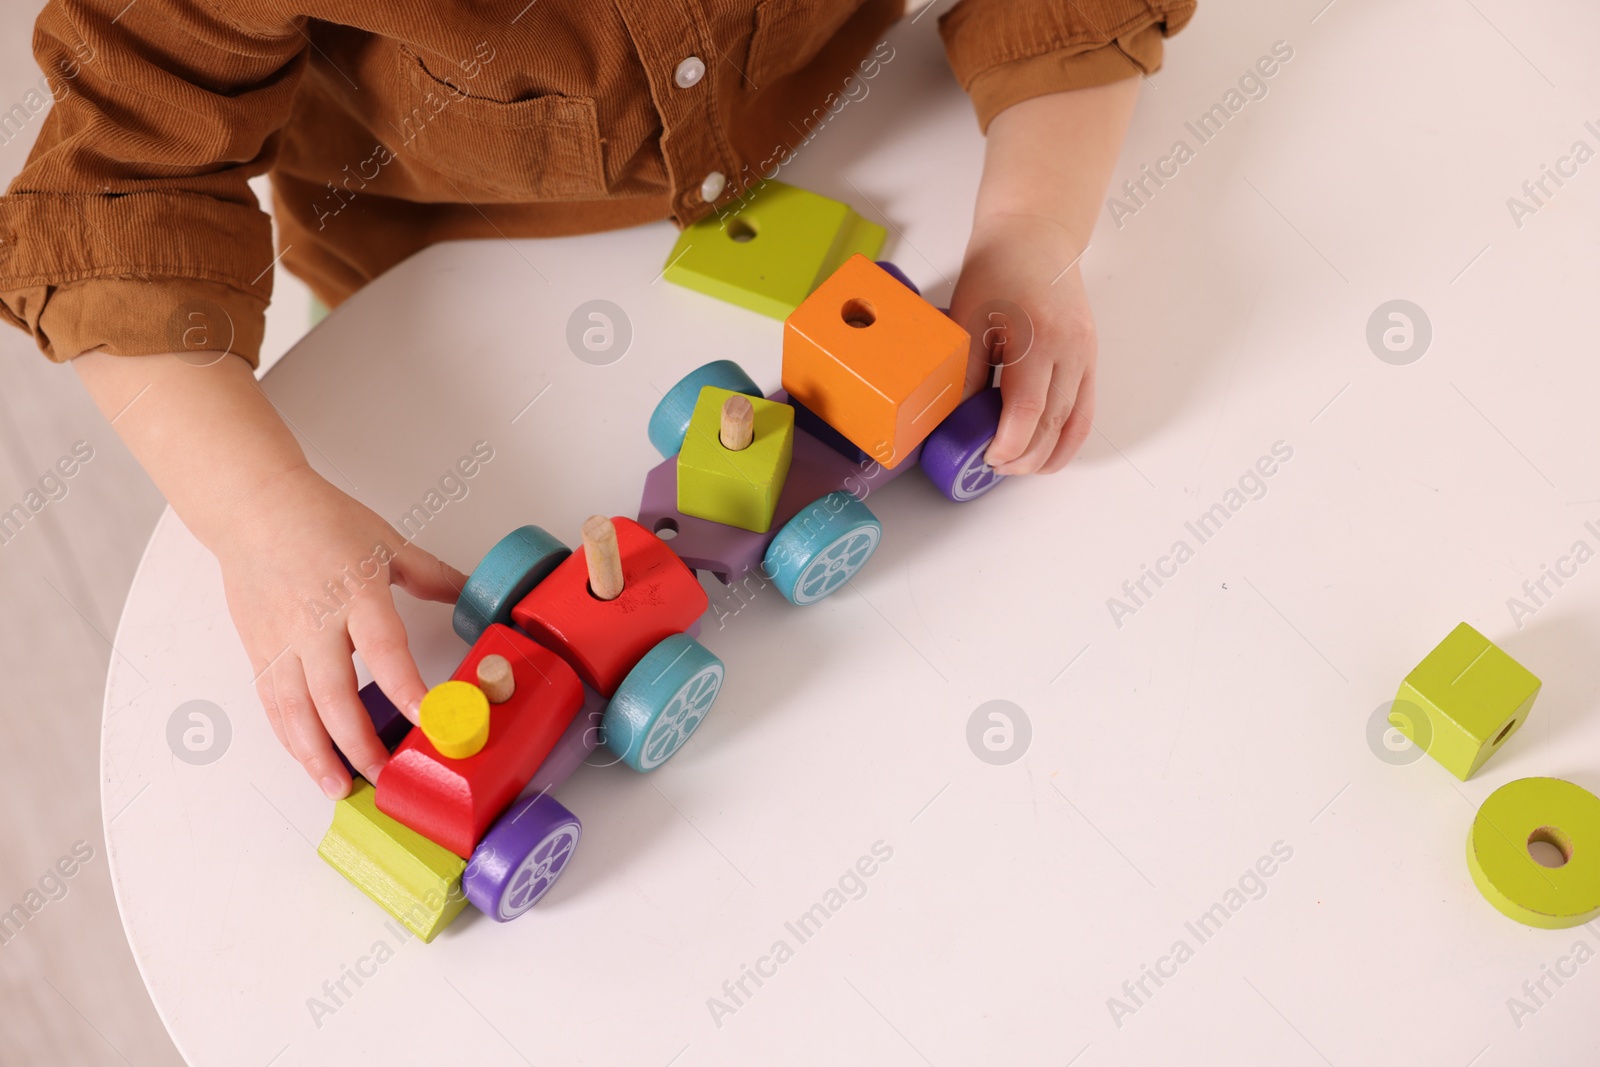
(1566, 819)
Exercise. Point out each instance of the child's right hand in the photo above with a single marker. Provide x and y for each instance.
(307, 571)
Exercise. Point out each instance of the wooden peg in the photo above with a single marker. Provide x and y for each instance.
(495, 678)
(605, 561)
(738, 422)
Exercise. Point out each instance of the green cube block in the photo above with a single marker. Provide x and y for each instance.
(413, 879)
(768, 254)
(736, 488)
(1463, 700)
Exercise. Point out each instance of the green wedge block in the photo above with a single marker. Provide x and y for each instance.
(768, 252)
(410, 877)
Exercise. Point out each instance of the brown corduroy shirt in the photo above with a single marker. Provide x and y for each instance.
(388, 127)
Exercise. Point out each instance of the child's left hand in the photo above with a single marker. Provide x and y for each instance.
(1021, 297)
(1046, 165)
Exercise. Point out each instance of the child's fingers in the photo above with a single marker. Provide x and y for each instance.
(331, 679)
(285, 695)
(1001, 337)
(1037, 393)
(1076, 431)
(274, 713)
(1059, 403)
(1024, 393)
(380, 636)
(425, 576)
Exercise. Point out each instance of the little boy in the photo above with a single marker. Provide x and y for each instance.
(389, 126)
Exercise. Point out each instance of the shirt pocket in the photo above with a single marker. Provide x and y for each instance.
(544, 147)
(789, 34)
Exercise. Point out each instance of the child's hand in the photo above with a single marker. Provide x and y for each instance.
(308, 572)
(1045, 169)
(1027, 311)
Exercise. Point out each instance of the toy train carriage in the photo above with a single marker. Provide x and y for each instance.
(872, 378)
(567, 648)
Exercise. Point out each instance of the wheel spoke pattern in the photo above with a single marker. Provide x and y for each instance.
(681, 716)
(953, 454)
(539, 871)
(976, 477)
(836, 564)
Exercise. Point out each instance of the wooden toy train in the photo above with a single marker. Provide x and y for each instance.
(573, 649)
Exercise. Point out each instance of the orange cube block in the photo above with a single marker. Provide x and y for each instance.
(880, 364)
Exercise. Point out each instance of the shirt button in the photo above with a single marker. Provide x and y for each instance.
(689, 72)
(712, 187)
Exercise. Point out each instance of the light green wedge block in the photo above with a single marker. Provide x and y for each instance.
(413, 879)
(768, 252)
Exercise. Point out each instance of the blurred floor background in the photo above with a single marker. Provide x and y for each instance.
(71, 991)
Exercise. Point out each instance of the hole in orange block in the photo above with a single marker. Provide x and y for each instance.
(859, 313)
(1550, 847)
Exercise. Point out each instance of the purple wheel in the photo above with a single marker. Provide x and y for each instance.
(953, 454)
(899, 275)
(521, 857)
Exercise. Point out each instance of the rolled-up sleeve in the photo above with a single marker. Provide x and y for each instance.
(132, 229)
(1006, 51)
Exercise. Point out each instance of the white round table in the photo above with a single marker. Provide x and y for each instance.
(831, 871)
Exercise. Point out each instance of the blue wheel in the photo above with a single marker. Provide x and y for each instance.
(669, 423)
(517, 563)
(661, 702)
(823, 547)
